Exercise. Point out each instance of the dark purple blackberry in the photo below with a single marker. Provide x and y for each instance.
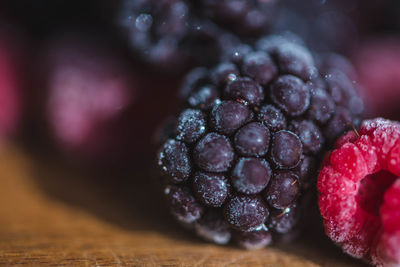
(247, 147)
(172, 34)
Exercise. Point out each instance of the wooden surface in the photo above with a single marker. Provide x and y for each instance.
(53, 215)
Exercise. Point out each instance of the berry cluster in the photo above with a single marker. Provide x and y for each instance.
(175, 33)
(242, 153)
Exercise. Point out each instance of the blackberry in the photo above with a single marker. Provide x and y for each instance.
(249, 138)
(244, 17)
(172, 34)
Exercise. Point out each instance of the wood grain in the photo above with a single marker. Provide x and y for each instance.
(51, 214)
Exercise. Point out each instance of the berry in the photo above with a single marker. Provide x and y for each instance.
(89, 94)
(254, 128)
(172, 34)
(359, 193)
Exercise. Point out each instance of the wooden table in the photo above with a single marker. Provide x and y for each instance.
(51, 214)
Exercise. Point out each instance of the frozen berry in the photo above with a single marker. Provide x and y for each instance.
(255, 127)
(174, 34)
(359, 193)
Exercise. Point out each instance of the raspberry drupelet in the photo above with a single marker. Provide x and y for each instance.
(242, 154)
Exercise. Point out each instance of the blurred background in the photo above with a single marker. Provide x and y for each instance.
(85, 85)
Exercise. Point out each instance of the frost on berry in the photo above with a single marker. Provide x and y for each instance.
(253, 128)
(360, 193)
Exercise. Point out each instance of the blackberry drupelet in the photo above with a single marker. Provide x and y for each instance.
(245, 148)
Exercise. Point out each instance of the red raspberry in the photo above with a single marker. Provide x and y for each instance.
(359, 189)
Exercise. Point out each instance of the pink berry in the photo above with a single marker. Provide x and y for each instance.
(89, 92)
(359, 189)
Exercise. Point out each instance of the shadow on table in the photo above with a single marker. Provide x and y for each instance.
(131, 198)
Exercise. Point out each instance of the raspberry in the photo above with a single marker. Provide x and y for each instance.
(359, 193)
(248, 139)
